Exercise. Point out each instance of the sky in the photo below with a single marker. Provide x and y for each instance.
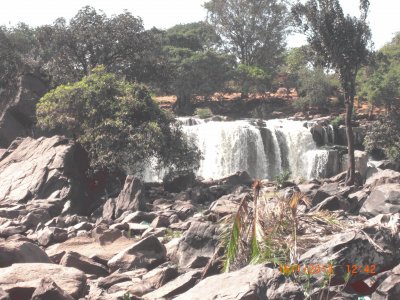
(383, 17)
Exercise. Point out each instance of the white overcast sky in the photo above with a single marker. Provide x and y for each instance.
(383, 18)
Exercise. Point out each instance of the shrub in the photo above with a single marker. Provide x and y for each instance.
(203, 113)
(117, 122)
(383, 136)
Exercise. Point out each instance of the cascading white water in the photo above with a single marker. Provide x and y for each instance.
(262, 148)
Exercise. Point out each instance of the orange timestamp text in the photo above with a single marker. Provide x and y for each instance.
(310, 269)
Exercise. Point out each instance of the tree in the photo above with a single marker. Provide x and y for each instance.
(315, 88)
(91, 39)
(18, 53)
(253, 30)
(198, 73)
(252, 79)
(342, 41)
(379, 81)
(117, 122)
(194, 36)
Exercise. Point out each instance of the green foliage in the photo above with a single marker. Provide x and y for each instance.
(383, 137)
(194, 36)
(252, 78)
(89, 39)
(380, 81)
(314, 89)
(337, 121)
(341, 41)
(18, 53)
(283, 177)
(117, 122)
(254, 31)
(203, 113)
(197, 73)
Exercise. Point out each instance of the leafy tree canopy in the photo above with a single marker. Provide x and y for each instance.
(194, 36)
(343, 43)
(90, 39)
(380, 81)
(117, 122)
(253, 30)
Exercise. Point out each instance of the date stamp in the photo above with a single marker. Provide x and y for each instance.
(310, 269)
(327, 269)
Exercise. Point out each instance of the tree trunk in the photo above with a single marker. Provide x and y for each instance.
(351, 171)
(182, 105)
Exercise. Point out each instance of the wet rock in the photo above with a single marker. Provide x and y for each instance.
(49, 290)
(251, 282)
(147, 253)
(26, 278)
(175, 183)
(239, 178)
(383, 199)
(12, 252)
(83, 263)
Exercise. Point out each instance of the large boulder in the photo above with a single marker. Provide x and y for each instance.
(375, 244)
(42, 168)
(131, 198)
(49, 290)
(12, 252)
(382, 200)
(197, 245)
(83, 263)
(17, 108)
(146, 253)
(383, 177)
(361, 160)
(256, 282)
(24, 279)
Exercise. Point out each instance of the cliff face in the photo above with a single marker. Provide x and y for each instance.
(17, 108)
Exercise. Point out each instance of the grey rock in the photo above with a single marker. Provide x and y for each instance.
(147, 253)
(17, 117)
(383, 199)
(27, 277)
(49, 290)
(37, 169)
(389, 289)
(12, 252)
(197, 245)
(83, 263)
(51, 235)
(252, 282)
(383, 177)
(131, 197)
(175, 287)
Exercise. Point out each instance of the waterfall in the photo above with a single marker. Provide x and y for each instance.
(262, 148)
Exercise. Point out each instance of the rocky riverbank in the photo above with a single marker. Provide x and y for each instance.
(163, 241)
